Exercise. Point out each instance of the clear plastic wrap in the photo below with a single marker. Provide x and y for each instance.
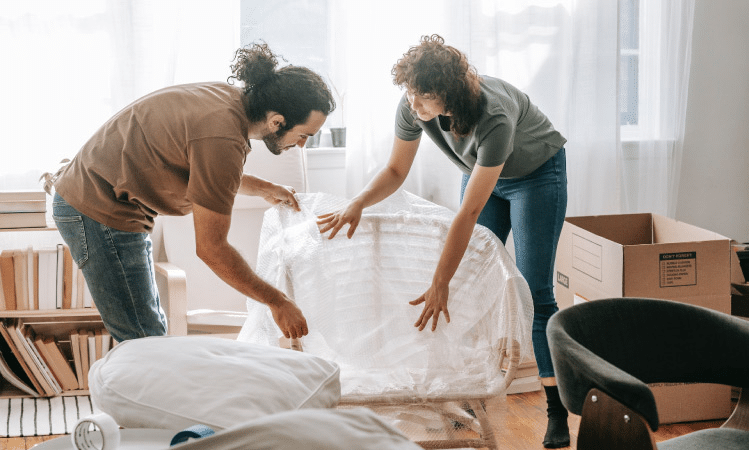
(355, 293)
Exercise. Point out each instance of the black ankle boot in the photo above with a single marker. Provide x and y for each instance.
(557, 431)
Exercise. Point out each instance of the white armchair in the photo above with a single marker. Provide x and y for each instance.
(195, 300)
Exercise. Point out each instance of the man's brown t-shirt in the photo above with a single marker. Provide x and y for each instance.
(173, 148)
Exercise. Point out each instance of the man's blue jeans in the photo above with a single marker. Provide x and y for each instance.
(118, 268)
(533, 207)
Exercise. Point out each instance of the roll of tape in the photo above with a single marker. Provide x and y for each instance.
(96, 432)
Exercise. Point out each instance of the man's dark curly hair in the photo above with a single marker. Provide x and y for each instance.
(435, 69)
(292, 91)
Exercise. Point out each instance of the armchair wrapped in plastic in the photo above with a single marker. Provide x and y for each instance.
(355, 293)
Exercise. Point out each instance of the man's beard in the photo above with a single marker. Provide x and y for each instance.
(273, 140)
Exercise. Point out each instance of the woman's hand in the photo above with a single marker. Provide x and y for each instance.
(435, 302)
(277, 193)
(350, 215)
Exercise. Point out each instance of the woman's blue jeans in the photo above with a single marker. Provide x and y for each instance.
(533, 207)
(118, 268)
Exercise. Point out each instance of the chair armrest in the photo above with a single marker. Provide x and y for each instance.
(172, 284)
(740, 417)
(578, 370)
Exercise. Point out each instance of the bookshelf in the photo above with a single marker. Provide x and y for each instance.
(51, 324)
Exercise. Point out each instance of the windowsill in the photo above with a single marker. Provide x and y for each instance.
(326, 149)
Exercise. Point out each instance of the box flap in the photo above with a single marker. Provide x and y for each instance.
(667, 230)
(623, 229)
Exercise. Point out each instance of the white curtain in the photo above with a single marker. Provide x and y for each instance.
(563, 53)
(71, 65)
(368, 39)
(68, 66)
(657, 147)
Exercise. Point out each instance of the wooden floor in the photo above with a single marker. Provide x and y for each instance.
(520, 425)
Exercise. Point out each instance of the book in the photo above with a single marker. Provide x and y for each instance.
(80, 288)
(25, 354)
(56, 352)
(7, 272)
(75, 347)
(67, 278)
(20, 270)
(59, 290)
(30, 282)
(85, 364)
(12, 371)
(19, 356)
(23, 220)
(99, 343)
(23, 202)
(88, 301)
(35, 278)
(57, 362)
(22, 196)
(92, 349)
(74, 287)
(2, 295)
(22, 206)
(47, 286)
(106, 342)
(28, 337)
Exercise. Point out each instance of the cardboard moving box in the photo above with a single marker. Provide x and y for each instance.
(650, 256)
(739, 284)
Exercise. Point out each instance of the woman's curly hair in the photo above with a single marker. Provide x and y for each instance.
(435, 69)
(292, 91)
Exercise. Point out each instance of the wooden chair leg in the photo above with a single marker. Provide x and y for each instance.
(606, 423)
(487, 432)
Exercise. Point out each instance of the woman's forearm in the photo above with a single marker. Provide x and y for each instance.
(456, 243)
(379, 188)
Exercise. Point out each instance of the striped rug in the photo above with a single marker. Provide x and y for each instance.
(42, 416)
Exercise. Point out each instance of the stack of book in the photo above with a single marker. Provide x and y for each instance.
(41, 279)
(23, 209)
(47, 366)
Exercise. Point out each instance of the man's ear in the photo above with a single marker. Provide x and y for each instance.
(275, 121)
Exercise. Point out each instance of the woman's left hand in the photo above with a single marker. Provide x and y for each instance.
(435, 302)
(281, 194)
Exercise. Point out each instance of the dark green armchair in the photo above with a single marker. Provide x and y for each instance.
(605, 352)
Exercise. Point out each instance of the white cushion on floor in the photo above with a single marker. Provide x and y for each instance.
(310, 429)
(178, 381)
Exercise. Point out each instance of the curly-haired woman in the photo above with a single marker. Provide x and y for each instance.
(176, 151)
(514, 178)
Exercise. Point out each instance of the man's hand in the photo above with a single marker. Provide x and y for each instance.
(335, 221)
(211, 229)
(277, 193)
(435, 302)
(289, 319)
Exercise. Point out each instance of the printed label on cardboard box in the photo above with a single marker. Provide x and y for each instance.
(678, 269)
(563, 279)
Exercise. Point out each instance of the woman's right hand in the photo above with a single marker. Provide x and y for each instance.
(334, 221)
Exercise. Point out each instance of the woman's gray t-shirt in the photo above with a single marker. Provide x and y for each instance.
(510, 131)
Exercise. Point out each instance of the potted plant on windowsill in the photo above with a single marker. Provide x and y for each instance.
(338, 134)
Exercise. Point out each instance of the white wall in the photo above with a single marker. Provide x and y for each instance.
(714, 184)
